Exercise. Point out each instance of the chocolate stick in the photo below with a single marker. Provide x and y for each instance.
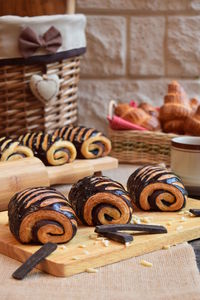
(195, 212)
(34, 260)
(118, 237)
(131, 227)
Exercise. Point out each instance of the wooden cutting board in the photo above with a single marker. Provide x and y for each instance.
(63, 263)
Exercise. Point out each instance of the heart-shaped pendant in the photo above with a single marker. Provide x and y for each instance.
(45, 87)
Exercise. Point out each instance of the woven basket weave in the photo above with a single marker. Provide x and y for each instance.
(140, 147)
(20, 111)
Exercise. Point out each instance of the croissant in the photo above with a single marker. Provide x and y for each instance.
(176, 104)
(121, 108)
(137, 116)
(13, 150)
(192, 124)
(89, 142)
(194, 103)
(50, 149)
(149, 109)
(100, 200)
(41, 215)
(156, 188)
(174, 126)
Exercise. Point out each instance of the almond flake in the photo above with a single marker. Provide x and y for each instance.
(82, 246)
(146, 263)
(91, 270)
(166, 247)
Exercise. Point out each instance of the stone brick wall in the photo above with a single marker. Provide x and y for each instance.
(135, 47)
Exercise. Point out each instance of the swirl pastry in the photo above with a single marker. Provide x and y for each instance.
(50, 149)
(41, 215)
(89, 142)
(13, 150)
(137, 116)
(156, 188)
(100, 200)
(192, 124)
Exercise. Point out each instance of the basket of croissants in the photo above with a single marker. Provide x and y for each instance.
(142, 133)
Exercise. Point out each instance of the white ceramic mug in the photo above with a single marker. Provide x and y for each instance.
(185, 159)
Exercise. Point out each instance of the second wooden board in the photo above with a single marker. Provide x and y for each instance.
(84, 252)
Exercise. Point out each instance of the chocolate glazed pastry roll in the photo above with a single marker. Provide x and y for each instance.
(100, 200)
(51, 150)
(13, 150)
(156, 188)
(41, 215)
(89, 142)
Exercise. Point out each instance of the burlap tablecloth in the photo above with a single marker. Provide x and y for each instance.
(173, 276)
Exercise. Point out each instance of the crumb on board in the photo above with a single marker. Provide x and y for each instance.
(86, 252)
(146, 263)
(62, 247)
(127, 244)
(166, 247)
(183, 219)
(169, 223)
(91, 270)
(105, 242)
(99, 238)
(82, 246)
(75, 258)
(135, 220)
(146, 219)
(179, 228)
(93, 236)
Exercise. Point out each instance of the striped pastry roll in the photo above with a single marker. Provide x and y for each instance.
(100, 200)
(51, 150)
(41, 215)
(89, 142)
(156, 188)
(13, 150)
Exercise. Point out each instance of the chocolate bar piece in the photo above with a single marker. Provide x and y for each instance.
(117, 237)
(195, 212)
(34, 260)
(131, 227)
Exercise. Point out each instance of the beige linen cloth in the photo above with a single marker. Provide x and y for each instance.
(173, 276)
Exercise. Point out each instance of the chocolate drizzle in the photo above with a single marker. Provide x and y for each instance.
(80, 136)
(31, 203)
(11, 149)
(43, 144)
(100, 200)
(156, 188)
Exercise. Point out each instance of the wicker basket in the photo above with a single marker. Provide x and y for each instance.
(20, 110)
(140, 147)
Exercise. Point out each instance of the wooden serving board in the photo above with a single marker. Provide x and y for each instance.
(95, 254)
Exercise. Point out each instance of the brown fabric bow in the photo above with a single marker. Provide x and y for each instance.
(29, 42)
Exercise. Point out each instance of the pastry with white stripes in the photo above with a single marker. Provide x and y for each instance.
(156, 188)
(100, 200)
(41, 215)
(13, 150)
(89, 142)
(51, 150)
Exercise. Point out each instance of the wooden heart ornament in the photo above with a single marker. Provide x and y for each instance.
(45, 87)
